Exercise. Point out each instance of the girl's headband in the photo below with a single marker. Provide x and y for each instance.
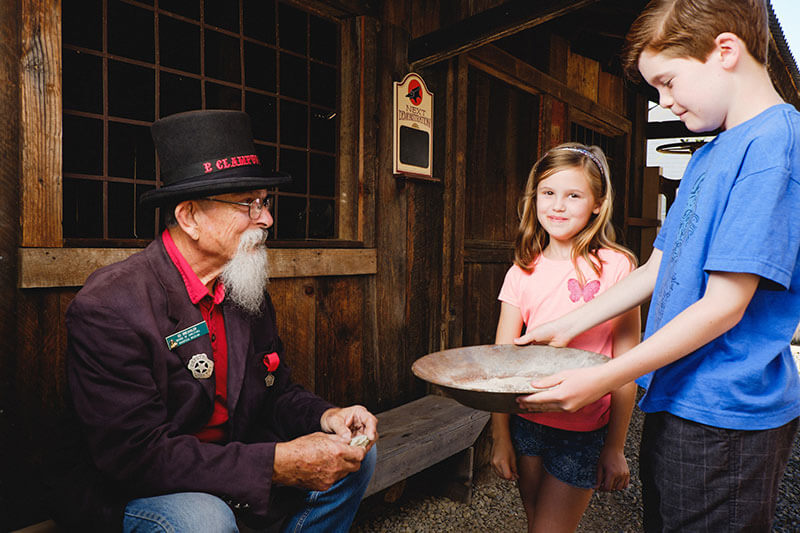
(588, 154)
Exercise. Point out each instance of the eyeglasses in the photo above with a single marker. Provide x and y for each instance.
(254, 208)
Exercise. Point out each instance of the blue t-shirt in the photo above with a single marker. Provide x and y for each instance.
(737, 210)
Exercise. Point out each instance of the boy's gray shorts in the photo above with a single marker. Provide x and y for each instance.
(703, 478)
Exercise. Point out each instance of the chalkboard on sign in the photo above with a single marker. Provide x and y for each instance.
(413, 128)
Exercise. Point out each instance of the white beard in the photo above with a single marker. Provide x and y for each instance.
(246, 275)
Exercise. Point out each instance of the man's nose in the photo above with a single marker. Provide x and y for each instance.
(265, 219)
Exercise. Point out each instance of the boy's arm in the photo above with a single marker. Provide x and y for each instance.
(629, 292)
(727, 296)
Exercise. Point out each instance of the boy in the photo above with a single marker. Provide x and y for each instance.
(723, 394)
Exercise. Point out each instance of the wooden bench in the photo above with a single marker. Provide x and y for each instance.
(413, 437)
(422, 433)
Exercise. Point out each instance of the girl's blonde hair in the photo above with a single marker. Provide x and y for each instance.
(532, 239)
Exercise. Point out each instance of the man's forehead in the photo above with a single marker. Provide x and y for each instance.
(254, 193)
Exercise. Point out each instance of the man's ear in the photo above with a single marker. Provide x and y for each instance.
(186, 216)
(729, 48)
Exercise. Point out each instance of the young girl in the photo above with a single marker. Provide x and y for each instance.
(565, 255)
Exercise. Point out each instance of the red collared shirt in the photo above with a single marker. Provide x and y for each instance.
(211, 310)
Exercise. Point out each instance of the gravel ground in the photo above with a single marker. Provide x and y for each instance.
(496, 506)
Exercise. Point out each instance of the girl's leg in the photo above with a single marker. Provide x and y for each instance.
(530, 473)
(559, 506)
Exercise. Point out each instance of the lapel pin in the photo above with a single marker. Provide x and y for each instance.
(201, 366)
(271, 361)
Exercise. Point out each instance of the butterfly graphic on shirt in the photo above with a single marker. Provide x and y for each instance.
(578, 291)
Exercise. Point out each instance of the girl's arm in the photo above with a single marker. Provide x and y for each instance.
(631, 291)
(726, 298)
(612, 469)
(504, 460)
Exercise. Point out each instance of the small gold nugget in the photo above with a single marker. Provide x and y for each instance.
(360, 440)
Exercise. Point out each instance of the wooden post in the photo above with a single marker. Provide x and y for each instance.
(390, 231)
(40, 134)
(9, 184)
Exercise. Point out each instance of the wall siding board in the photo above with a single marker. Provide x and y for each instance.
(40, 134)
(424, 281)
(583, 75)
(339, 339)
(9, 188)
(391, 214)
(295, 305)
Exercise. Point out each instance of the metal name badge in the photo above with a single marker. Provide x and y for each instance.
(201, 366)
(186, 335)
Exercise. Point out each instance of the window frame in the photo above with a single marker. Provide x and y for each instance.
(41, 180)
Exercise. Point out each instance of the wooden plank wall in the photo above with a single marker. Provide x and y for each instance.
(10, 463)
(9, 184)
(40, 140)
(504, 122)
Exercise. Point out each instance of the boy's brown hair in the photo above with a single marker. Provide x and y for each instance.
(687, 28)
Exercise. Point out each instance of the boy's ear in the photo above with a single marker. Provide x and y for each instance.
(728, 49)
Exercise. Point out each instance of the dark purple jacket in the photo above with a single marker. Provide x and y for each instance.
(138, 406)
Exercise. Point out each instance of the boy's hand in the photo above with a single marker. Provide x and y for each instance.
(612, 471)
(547, 333)
(571, 390)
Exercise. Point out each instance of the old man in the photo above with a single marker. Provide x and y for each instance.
(187, 414)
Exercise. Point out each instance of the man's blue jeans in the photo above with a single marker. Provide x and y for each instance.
(332, 510)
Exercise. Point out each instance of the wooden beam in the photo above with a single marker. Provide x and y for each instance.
(503, 65)
(40, 131)
(643, 222)
(673, 129)
(486, 27)
(69, 267)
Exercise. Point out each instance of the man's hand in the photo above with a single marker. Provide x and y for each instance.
(349, 422)
(315, 461)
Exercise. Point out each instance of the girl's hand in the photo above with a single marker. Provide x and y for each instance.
(612, 470)
(504, 459)
(571, 390)
(547, 333)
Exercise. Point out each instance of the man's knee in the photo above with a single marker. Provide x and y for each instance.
(368, 465)
(186, 511)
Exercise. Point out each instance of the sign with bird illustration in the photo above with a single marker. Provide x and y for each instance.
(413, 128)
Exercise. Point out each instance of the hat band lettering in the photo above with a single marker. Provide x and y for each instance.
(195, 170)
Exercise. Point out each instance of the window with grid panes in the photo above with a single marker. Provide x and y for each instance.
(127, 63)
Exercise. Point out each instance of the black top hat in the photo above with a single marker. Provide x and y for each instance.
(204, 153)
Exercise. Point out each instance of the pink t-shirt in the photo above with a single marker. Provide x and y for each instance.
(553, 290)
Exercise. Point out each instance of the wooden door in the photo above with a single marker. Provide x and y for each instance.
(502, 145)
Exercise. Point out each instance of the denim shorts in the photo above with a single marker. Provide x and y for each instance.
(569, 456)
